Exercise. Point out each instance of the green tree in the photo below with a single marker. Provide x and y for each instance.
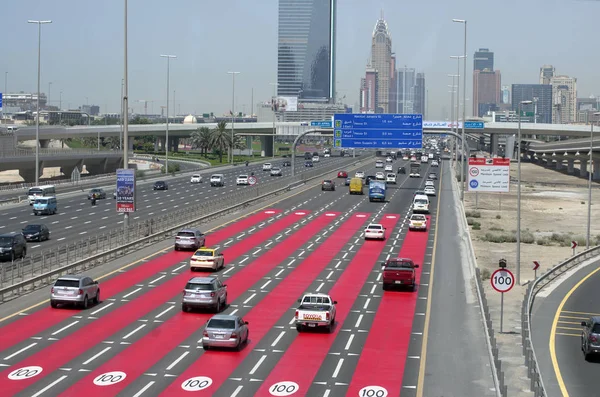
(239, 142)
(139, 120)
(220, 138)
(201, 139)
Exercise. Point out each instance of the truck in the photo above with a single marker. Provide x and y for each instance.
(415, 170)
(315, 311)
(377, 191)
(399, 272)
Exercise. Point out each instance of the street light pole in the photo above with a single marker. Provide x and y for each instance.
(273, 107)
(48, 97)
(462, 155)
(125, 112)
(37, 116)
(588, 242)
(232, 111)
(4, 97)
(121, 118)
(519, 191)
(463, 21)
(169, 57)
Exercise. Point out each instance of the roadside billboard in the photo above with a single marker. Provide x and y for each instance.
(125, 190)
(286, 104)
(491, 175)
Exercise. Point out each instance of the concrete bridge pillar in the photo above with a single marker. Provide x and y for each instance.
(68, 169)
(28, 174)
(173, 144)
(266, 144)
(596, 168)
(97, 167)
(44, 143)
(583, 165)
(571, 166)
(559, 165)
(494, 144)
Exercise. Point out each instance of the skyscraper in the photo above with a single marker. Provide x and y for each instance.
(564, 92)
(381, 60)
(546, 74)
(368, 92)
(505, 94)
(527, 92)
(306, 50)
(419, 94)
(486, 91)
(483, 59)
(405, 82)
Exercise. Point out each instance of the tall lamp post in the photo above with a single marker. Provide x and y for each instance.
(519, 190)
(232, 111)
(37, 116)
(454, 111)
(169, 57)
(48, 97)
(4, 97)
(273, 106)
(590, 173)
(463, 21)
(462, 154)
(125, 107)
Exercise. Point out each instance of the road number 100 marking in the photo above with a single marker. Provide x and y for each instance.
(373, 391)
(25, 373)
(110, 378)
(284, 388)
(196, 383)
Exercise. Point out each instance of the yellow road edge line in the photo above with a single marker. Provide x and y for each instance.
(552, 341)
(421, 378)
(156, 253)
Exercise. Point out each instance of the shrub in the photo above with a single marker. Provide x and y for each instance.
(470, 221)
(485, 274)
(527, 237)
(498, 216)
(473, 214)
(476, 226)
(499, 238)
(496, 229)
(544, 241)
(140, 173)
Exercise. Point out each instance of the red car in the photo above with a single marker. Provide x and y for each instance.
(342, 174)
(399, 272)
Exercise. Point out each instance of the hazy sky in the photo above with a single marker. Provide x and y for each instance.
(82, 50)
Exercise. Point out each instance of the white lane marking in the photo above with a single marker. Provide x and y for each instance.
(279, 272)
(68, 227)
(350, 339)
(20, 351)
(257, 251)
(174, 363)
(358, 321)
(255, 368)
(164, 311)
(330, 274)
(337, 368)
(60, 239)
(265, 284)
(138, 394)
(83, 233)
(278, 339)
(250, 298)
(95, 356)
(134, 331)
(319, 287)
(178, 268)
(64, 328)
(228, 270)
(132, 292)
(237, 391)
(156, 279)
(373, 288)
(102, 308)
(51, 385)
(37, 245)
(244, 260)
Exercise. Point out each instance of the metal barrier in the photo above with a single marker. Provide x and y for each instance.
(537, 384)
(41, 268)
(57, 152)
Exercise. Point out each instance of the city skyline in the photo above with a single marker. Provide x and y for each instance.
(83, 58)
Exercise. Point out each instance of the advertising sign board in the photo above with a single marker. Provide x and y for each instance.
(378, 131)
(287, 104)
(125, 190)
(446, 125)
(489, 175)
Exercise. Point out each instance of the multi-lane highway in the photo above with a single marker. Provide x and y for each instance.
(556, 333)
(77, 218)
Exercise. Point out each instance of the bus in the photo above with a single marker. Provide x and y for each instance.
(415, 170)
(40, 191)
(377, 191)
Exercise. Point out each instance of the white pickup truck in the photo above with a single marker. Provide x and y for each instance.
(315, 310)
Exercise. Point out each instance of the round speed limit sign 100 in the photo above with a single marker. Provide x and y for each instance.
(502, 280)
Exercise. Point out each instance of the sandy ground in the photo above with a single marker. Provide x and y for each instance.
(553, 212)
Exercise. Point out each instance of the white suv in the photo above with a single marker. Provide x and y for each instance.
(217, 180)
(267, 167)
(242, 180)
(196, 178)
(390, 178)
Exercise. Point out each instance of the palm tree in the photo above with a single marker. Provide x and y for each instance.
(201, 138)
(220, 138)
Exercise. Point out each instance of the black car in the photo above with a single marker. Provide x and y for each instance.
(99, 193)
(328, 185)
(286, 164)
(36, 233)
(307, 156)
(308, 164)
(401, 170)
(12, 246)
(370, 178)
(160, 185)
(348, 181)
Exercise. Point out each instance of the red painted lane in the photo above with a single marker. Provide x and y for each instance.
(138, 359)
(95, 332)
(33, 324)
(383, 357)
(219, 365)
(311, 349)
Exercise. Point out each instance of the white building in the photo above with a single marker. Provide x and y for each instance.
(564, 94)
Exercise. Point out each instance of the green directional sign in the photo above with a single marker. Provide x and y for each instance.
(527, 114)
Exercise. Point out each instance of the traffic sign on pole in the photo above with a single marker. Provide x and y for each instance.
(573, 246)
(536, 265)
(502, 281)
(252, 180)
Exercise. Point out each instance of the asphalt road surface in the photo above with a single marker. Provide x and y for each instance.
(77, 218)
(138, 342)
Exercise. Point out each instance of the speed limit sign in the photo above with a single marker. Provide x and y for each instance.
(252, 180)
(502, 280)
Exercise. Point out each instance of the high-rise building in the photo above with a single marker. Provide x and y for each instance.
(505, 94)
(393, 107)
(546, 74)
(564, 93)
(419, 95)
(306, 50)
(368, 92)
(528, 92)
(483, 59)
(405, 83)
(486, 91)
(381, 61)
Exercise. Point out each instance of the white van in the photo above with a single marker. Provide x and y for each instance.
(40, 191)
(421, 204)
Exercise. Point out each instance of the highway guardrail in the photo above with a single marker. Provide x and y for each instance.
(42, 268)
(533, 370)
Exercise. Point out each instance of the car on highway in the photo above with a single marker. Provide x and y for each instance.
(45, 206)
(189, 238)
(40, 191)
(380, 176)
(276, 171)
(359, 174)
(100, 193)
(267, 167)
(388, 167)
(419, 193)
(370, 178)
(347, 182)
(328, 184)
(375, 231)
(207, 258)
(421, 204)
(315, 310)
(432, 176)
(389, 160)
(196, 178)
(429, 182)
(160, 185)
(390, 178)
(379, 164)
(429, 191)
(225, 330)
(286, 164)
(242, 180)
(417, 222)
(590, 337)
(399, 272)
(308, 164)
(435, 163)
(115, 195)
(405, 157)
(12, 246)
(217, 180)
(342, 174)
(204, 292)
(315, 159)
(327, 155)
(36, 232)
(78, 290)
(401, 170)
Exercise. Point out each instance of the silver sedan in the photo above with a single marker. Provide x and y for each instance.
(225, 330)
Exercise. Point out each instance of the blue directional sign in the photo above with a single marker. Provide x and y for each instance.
(378, 131)
(0, 101)
(474, 125)
(321, 124)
